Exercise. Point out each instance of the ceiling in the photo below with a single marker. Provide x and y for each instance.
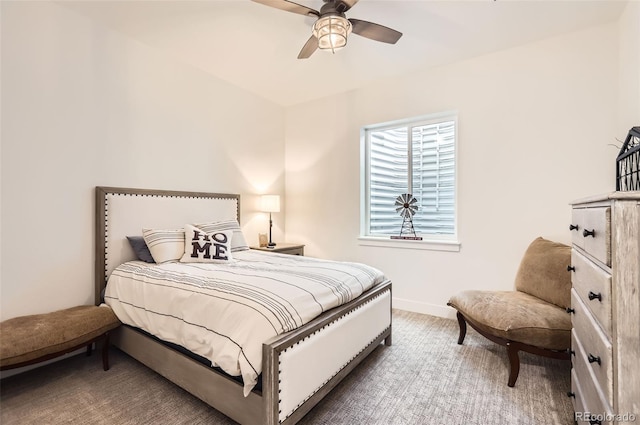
(255, 46)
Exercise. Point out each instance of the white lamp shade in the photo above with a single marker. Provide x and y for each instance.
(270, 203)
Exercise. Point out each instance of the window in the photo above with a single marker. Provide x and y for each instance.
(416, 156)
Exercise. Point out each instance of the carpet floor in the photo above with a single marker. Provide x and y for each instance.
(423, 378)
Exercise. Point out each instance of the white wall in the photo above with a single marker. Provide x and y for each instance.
(83, 106)
(629, 54)
(534, 127)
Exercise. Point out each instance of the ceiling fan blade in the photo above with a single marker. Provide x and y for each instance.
(309, 47)
(289, 6)
(375, 32)
(344, 5)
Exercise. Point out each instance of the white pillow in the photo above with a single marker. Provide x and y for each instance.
(164, 244)
(203, 247)
(238, 242)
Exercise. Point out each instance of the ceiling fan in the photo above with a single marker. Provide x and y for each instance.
(331, 29)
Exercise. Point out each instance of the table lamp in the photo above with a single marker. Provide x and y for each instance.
(270, 204)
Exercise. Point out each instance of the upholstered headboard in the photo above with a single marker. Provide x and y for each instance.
(122, 212)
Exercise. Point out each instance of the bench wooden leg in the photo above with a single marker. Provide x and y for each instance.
(105, 352)
(105, 349)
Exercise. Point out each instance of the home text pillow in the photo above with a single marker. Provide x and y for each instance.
(140, 248)
(238, 242)
(164, 245)
(203, 247)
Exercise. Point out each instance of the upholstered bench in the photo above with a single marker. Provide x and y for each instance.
(31, 339)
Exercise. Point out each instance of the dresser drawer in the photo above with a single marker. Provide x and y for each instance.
(592, 350)
(587, 391)
(593, 285)
(582, 415)
(591, 231)
(578, 402)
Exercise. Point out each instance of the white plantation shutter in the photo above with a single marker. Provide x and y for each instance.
(418, 158)
(434, 178)
(389, 170)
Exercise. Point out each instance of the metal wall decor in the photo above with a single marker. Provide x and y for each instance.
(628, 162)
(407, 206)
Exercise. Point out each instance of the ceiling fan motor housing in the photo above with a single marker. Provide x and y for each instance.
(331, 29)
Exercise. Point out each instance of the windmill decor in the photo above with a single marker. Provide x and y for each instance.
(406, 206)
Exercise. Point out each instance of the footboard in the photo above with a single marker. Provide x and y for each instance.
(301, 367)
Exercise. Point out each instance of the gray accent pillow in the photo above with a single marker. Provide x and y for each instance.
(140, 248)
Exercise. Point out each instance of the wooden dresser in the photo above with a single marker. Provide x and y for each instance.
(605, 308)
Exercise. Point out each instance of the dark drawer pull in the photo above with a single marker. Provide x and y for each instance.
(594, 359)
(594, 296)
(571, 269)
(591, 233)
(595, 422)
(574, 227)
(570, 394)
(570, 310)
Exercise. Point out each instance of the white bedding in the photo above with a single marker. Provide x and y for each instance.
(224, 312)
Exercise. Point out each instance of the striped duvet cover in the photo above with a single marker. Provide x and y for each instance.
(224, 312)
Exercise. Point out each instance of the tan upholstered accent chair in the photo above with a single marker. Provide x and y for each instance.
(534, 317)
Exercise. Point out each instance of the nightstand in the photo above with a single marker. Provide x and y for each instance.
(283, 248)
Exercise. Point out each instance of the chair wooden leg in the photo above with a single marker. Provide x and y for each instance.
(463, 328)
(514, 361)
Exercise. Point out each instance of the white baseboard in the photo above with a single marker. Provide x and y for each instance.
(424, 308)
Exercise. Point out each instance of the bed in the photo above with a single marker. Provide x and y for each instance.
(334, 342)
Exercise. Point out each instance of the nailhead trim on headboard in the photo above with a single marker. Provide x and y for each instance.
(103, 216)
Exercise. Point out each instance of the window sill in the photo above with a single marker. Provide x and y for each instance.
(432, 244)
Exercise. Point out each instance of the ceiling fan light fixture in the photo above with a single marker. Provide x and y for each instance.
(332, 32)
